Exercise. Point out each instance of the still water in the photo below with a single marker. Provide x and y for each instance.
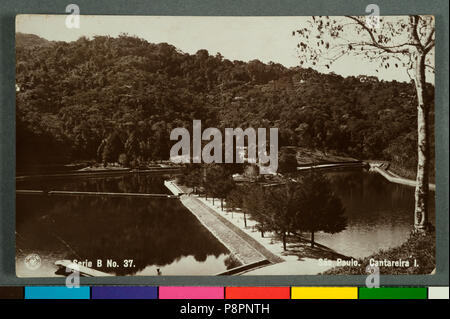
(153, 233)
(126, 183)
(380, 214)
(162, 234)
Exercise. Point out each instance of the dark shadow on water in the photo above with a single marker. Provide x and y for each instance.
(149, 231)
(128, 183)
(380, 214)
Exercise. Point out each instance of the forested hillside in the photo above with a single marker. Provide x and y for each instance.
(99, 98)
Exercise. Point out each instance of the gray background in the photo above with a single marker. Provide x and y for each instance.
(8, 10)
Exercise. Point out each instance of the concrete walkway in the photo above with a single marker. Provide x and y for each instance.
(394, 178)
(331, 165)
(77, 193)
(246, 249)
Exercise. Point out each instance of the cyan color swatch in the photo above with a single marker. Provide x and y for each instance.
(57, 293)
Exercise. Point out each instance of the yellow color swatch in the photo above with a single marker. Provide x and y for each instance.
(324, 293)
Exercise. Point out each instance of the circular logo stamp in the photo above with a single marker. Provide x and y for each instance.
(33, 261)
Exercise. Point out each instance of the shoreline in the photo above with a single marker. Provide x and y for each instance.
(233, 238)
(374, 166)
(394, 178)
(294, 261)
(101, 173)
(241, 249)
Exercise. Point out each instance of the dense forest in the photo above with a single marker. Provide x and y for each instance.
(117, 99)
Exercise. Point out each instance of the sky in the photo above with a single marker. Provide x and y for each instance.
(236, 38)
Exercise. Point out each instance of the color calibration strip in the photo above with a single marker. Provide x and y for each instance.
(145, 292)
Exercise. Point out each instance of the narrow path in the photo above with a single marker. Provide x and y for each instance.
(102, 173)
(331, 165)
(77, 193)
(394, 178)
(244, 247)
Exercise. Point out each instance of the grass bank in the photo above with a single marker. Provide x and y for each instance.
(308, 156)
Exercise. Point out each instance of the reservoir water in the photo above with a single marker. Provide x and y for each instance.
(162, 234)
(380, 213)
(154, 233)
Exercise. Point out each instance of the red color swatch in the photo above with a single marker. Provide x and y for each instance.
(257, 293)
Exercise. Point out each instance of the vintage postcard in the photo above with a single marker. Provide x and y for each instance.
(163, 145)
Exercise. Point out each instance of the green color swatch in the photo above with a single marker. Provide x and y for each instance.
(393, 293)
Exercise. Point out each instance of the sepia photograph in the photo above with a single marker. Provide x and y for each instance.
(215, 146)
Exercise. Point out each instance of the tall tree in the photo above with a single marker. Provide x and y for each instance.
(235, 200)
(319, 208)
(132, 146)
(218, 182)
(288, 160)
(254, 204)
(192, 176)
(393, 41)
(113, 148)
(281, 207)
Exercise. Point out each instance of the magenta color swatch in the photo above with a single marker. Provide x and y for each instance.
(191, 292)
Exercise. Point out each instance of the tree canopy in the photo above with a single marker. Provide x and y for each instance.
(71, 96)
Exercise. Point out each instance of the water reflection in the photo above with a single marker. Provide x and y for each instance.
(127, 183)
(161, 233)
(156, 233)
(380, 214)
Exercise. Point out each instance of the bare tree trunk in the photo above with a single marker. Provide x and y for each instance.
(422, 187)
(245, 220)
(284, 240)
(312, 239)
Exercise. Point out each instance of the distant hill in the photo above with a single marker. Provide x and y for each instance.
(125, 95)
(30, 40)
